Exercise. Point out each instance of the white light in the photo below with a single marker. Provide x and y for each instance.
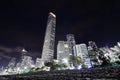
(47, 69)
(66, 46)
(118, 43)
(89, 66)
(25, 67)
(60, 51)
(32, 65)
(24, 50)
(72, 68)
(65, 60)
(18, 69)
(46, 40)
(53, 14)
(56, 61)
(79, 67)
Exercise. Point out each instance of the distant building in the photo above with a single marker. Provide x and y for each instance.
(48, 46)
(39, 62)
(63, 51)
(24, 53)
(116, 51)
(71, 40)
(93, 45)
(26, 61)
(111, 54)
(12, 62)
(81, 50)
(94, 53)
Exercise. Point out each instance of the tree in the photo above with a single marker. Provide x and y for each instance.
(75, 60)
(53, 65)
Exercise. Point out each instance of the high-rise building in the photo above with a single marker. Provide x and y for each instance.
(94, 53)
(48, 46)
(63, 51)
(92, 45)
(81, 50)
(26, 61)
(71, 40)
(39, 62)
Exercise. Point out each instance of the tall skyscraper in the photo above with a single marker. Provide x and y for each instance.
(71, 40)
(81, 50)
(48, 47)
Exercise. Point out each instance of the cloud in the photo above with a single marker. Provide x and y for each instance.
(3, 55)
(0, 58)
(10, 50)
(5, 49)
(8, 53)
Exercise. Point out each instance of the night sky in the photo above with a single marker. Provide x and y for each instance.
(23, 23)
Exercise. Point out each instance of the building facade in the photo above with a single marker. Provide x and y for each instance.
(81, 50)
(71, 40)
(39, 62)
(12, 62)
(94, 54)
(63, 51)
(49, 40)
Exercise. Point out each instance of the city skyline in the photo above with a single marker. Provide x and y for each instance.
(23, 24)
(69, 54)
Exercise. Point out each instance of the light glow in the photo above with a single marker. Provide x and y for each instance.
(53, 14)
(79, 67)
(65, 60)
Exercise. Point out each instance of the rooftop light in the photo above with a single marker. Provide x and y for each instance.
(52, 14)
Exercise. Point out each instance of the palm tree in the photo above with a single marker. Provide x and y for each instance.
(75, 60)
(96, 56)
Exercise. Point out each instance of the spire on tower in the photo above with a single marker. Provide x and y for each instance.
(23, 50)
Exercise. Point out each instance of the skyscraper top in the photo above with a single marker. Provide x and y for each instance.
(52, 14)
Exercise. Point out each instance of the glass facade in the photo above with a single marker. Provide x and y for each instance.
(81, 50)
(48, 46)
(63, 50)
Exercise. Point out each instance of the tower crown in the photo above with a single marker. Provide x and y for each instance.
(52, 14)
